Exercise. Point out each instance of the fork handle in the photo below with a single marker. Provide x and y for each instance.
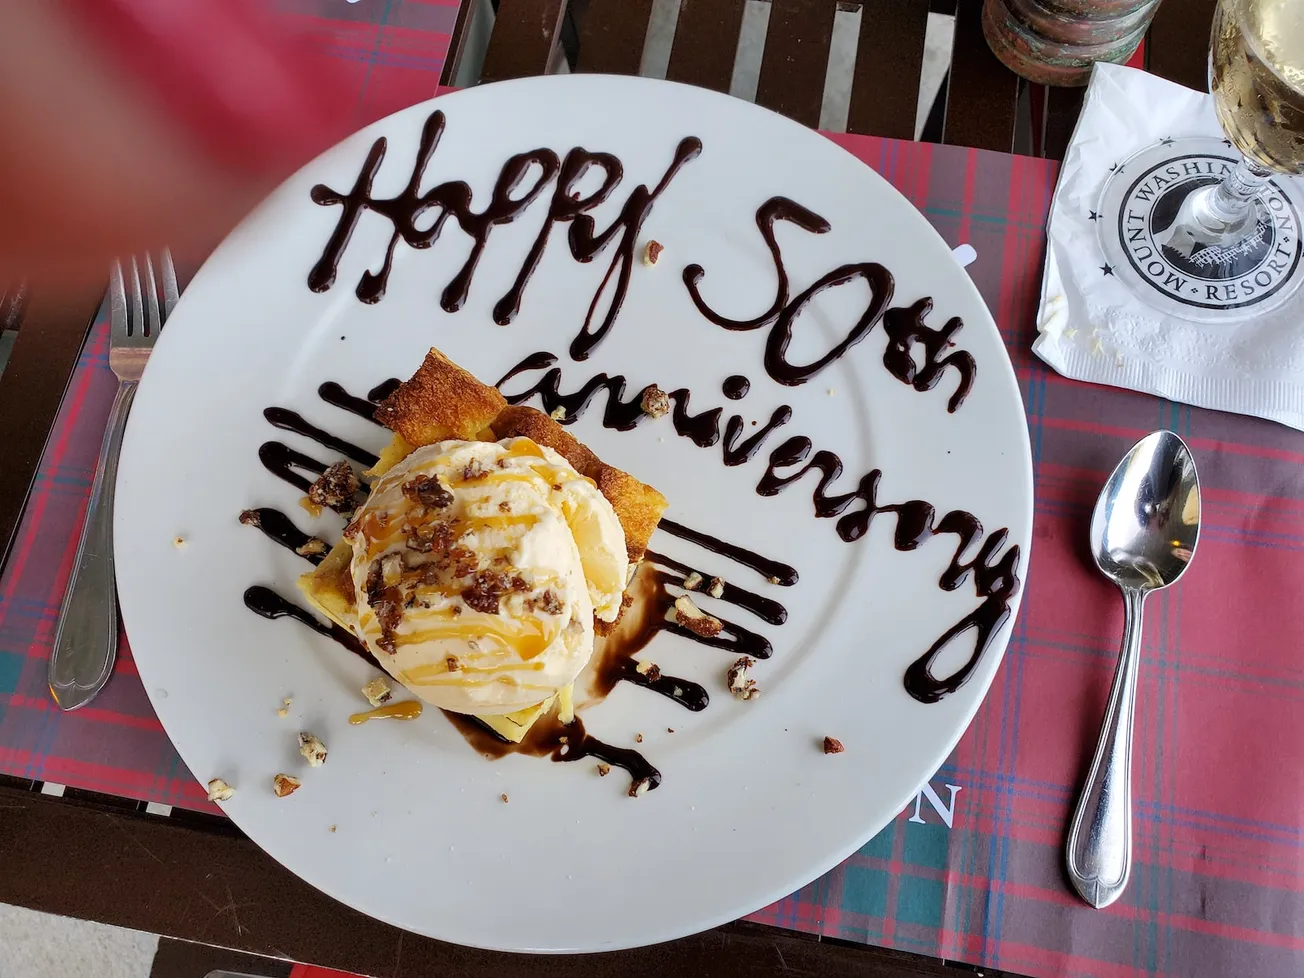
(86, 642)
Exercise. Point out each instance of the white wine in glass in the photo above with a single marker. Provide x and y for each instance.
(1257, 77)
(1209, 235)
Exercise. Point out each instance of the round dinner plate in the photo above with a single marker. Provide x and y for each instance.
(407, 821)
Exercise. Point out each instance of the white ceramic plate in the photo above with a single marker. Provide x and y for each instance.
(750, 808)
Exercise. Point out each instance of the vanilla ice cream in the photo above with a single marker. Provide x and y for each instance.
(478, 568)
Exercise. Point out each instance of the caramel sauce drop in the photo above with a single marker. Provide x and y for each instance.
(406, 710)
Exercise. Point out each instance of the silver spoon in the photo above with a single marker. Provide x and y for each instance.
(1143, 536)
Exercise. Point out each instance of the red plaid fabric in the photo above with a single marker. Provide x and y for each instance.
(972, 870)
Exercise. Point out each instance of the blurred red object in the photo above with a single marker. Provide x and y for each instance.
(129, 124)
(254, 94)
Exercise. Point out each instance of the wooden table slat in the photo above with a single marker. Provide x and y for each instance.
(40, 364)
(796, 58)
(982, 95)
(212, 884)
(1063, 105)
(524, 39)
(889, 58)
(612, 34)
(706, 43)
(1177, 47)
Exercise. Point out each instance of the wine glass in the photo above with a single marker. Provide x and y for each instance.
(1216, 237)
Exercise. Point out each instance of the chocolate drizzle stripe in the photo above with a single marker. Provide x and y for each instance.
(565, 743)
(775, 570)
(281, 529)
(767, 609)
(286, 463)
(266, 603)
(288, 420)
(685, 692)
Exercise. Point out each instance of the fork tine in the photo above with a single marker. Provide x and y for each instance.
(170, 291)
(117, 300)
(152, 321)
(135, 305)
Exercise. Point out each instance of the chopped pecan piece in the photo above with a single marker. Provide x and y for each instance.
(311, 547)
(378, 691)
(335, 488)
(548, 601)
(219, 790)
(693, 581)
(655, 402)
(640, 787)
(285, 784)
(716, 588)
(694, 619)
(833, 746)
(312, 749)
(488, 587)
(603, 769)
(428, 491)
(740, 683)
(251, 517)
(389, 613)
(648, 669)
(473, 471)
(451, 664)
(651, 252)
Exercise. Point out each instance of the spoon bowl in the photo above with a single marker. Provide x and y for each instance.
(1144, 530)
(1147, 520)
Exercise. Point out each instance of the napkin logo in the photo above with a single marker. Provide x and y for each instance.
(1164, 253)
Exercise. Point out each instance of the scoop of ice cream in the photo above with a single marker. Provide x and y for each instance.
(478, 569)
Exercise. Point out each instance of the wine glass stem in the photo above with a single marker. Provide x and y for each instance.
(1226, 211)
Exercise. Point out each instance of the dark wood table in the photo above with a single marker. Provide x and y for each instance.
(197, 878)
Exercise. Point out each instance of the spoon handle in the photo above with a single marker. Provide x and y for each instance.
(1099, 850)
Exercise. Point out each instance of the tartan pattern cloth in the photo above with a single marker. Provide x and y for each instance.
(971, 870)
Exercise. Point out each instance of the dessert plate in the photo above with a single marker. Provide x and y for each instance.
(805, 318)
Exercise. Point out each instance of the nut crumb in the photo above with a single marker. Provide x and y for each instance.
(312, 749)
(774, 580)
(250, 517)
(693, 581)
(638, 738)
(286, 701)
(283, 712)
(180, 543)
(503, 796)
(332, 828)
(670, 729)
(603, 769)
(832, 392)
(640, 787)
(284, 784)
(717, 587)
(694, 619)
(219, 790)
(378, 691)
(740, 682)
(646, 668)
(311, 547)
(452, 664)
(558, 413)
(335, 488)
(833, 746)
(652, 252)
(655, 402)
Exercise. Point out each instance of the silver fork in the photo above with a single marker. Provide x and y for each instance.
(86, 642)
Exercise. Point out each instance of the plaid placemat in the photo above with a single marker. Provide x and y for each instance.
(972, 870)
